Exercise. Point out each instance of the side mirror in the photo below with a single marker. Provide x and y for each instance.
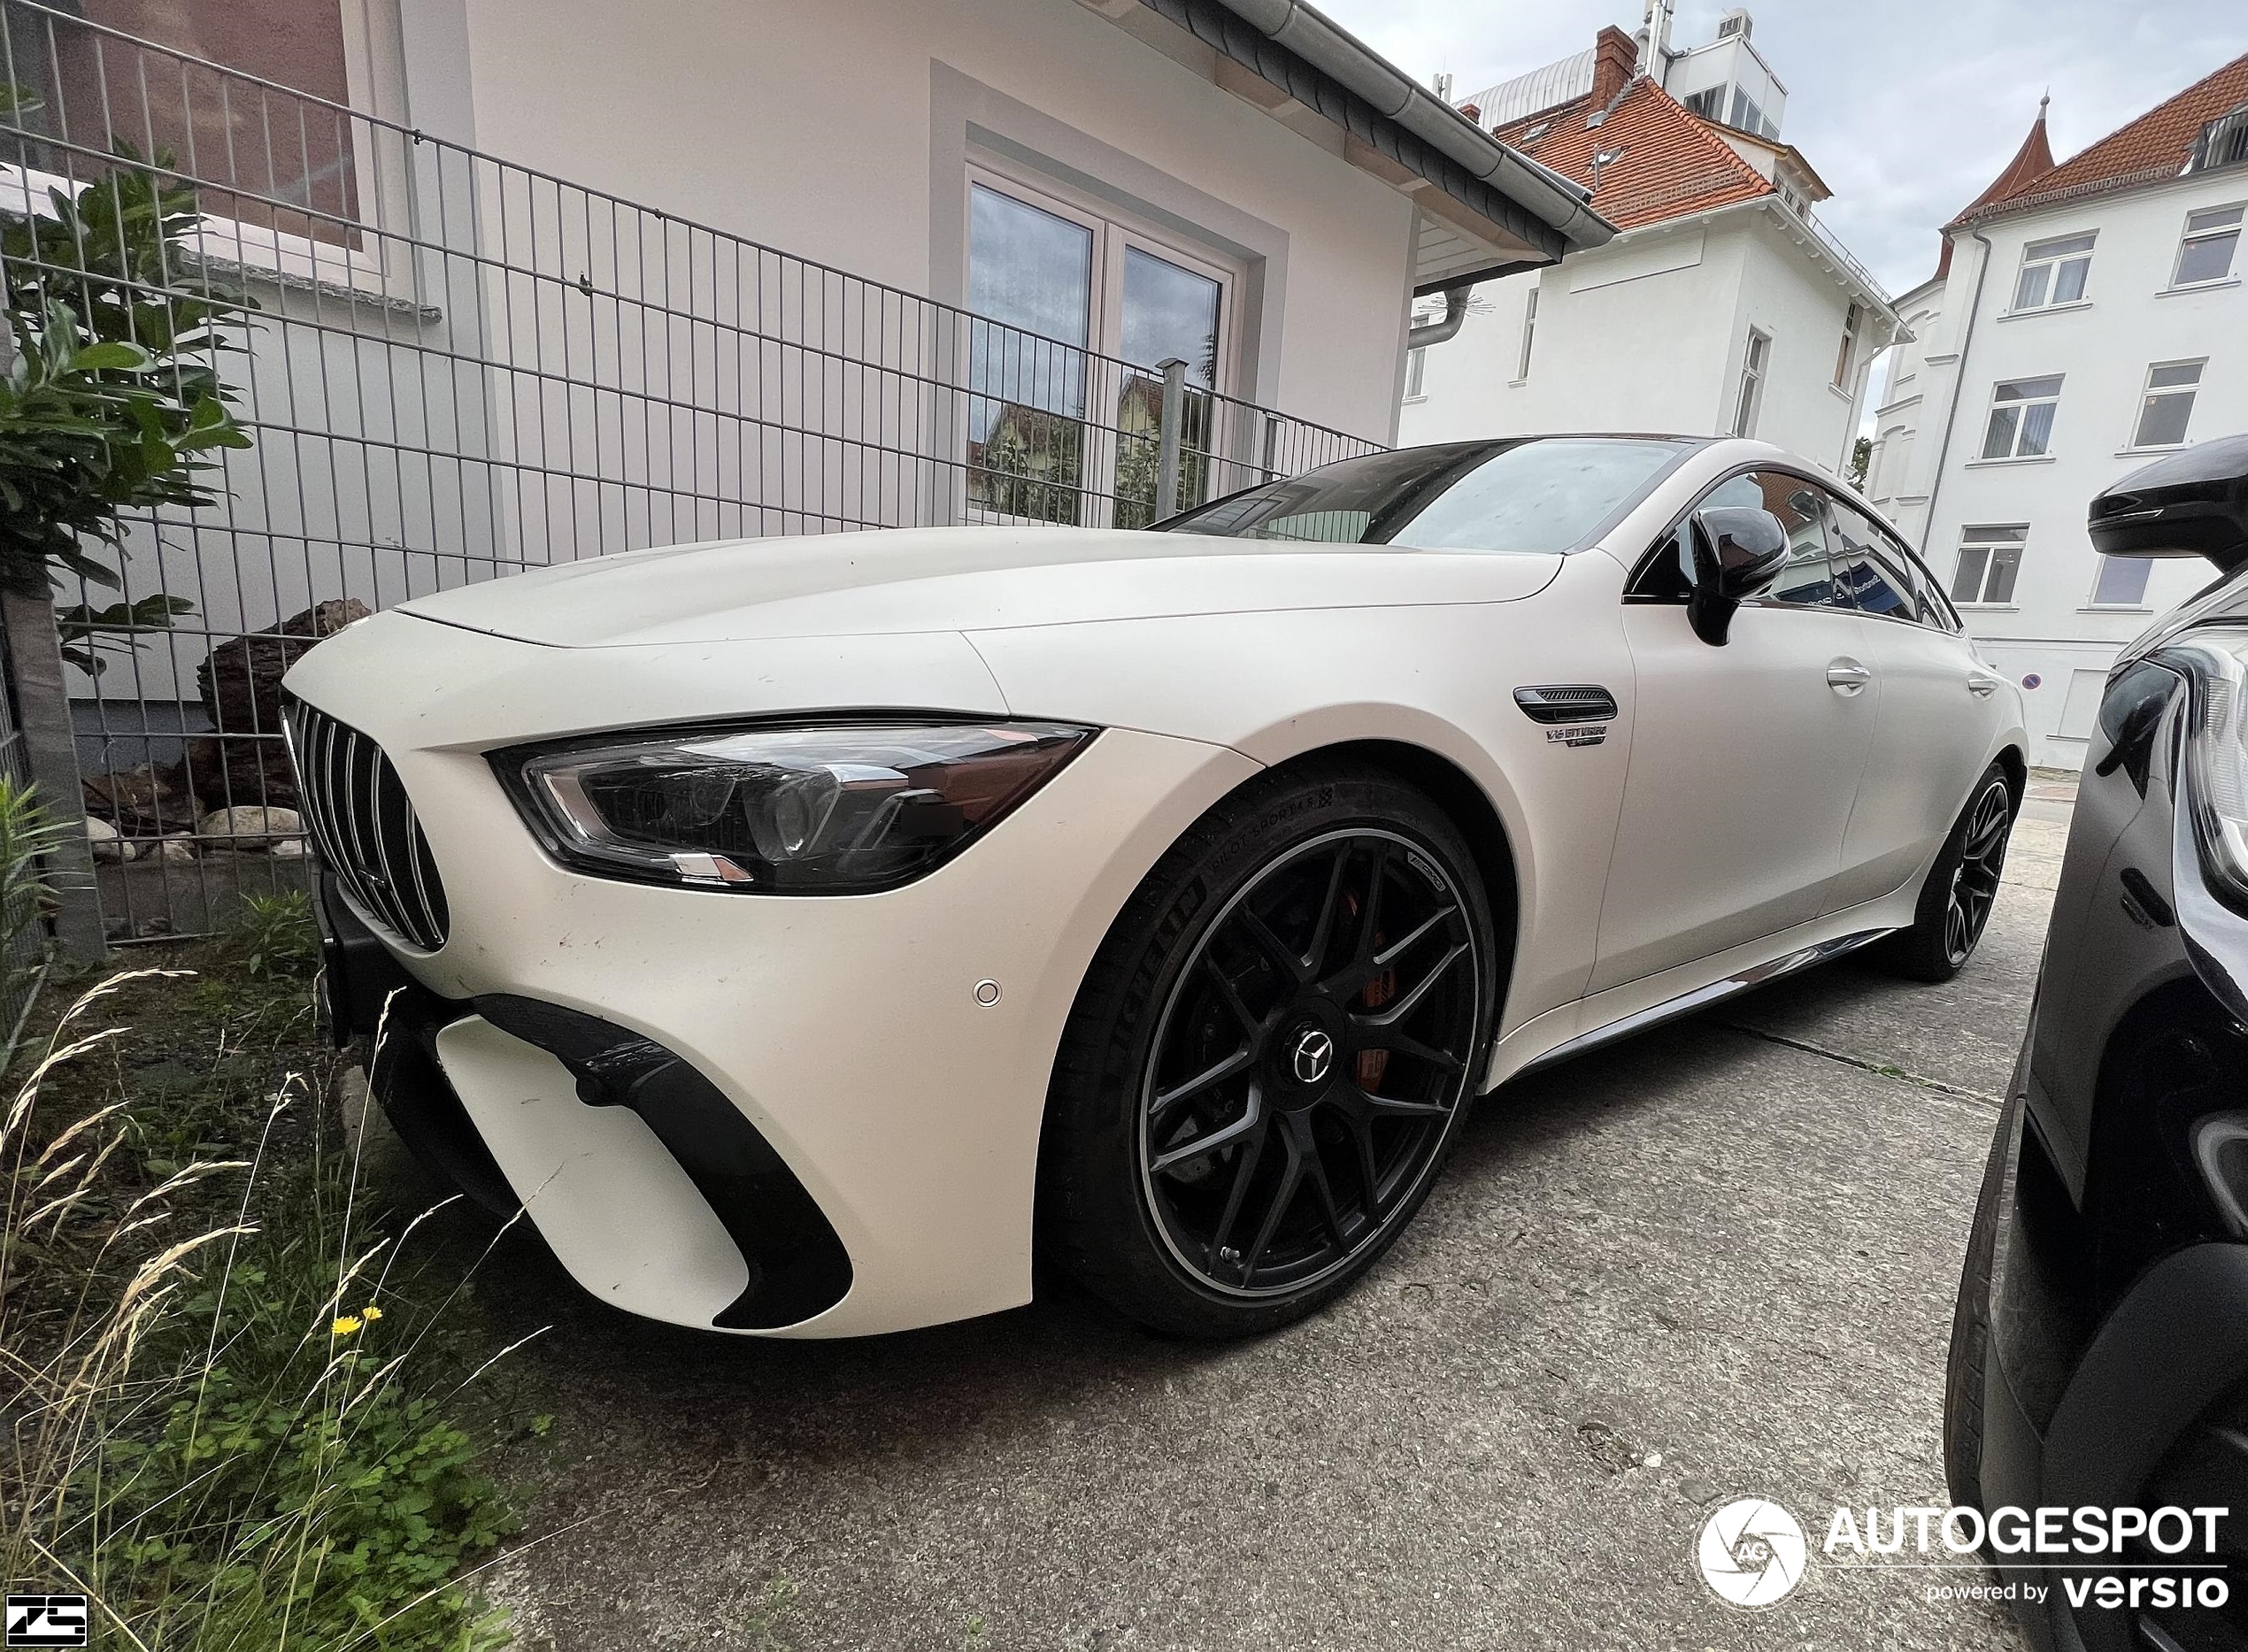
(2193, 504)
(1738, 553)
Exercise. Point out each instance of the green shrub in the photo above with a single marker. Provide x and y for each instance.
(232, 1412)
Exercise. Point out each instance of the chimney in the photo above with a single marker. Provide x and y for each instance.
(1615, 56)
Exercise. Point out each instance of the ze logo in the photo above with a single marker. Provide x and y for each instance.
(46, 1620)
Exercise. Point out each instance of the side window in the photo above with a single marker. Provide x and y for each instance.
(1879, 577)
(1809, 580)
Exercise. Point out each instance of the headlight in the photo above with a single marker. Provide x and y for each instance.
(2216, 751)
(836, 809)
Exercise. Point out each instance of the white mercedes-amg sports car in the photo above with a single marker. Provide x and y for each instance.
(813, 933)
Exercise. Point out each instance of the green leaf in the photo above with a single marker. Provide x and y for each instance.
(116, 356)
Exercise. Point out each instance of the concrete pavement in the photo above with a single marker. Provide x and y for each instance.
(1717, 1261)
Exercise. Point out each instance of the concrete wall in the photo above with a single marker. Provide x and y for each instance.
(2051, 630)
(1647, 334)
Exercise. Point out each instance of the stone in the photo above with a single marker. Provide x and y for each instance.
(248, 826)
(239, 684)
(141, 802)
(176, 850)
(107, 845)
(288, 849)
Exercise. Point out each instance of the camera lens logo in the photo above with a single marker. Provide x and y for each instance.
(1751, 1552)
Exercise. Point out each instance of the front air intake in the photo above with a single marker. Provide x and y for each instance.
(364, 827)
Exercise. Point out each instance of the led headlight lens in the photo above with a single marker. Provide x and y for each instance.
(2216, 751)
(829, 811)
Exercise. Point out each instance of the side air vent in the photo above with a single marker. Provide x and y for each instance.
(1566, 703)
(364, 827)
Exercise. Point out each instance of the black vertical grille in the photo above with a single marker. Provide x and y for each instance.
(362, 825)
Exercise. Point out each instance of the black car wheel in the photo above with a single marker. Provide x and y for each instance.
(1961, 888)
(1271, 1056)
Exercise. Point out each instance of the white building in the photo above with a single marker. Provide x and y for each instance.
(698, 269)
(2085, 317)
(1722, 307)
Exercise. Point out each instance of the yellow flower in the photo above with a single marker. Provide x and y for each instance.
(347, 1323)
(371, 1314)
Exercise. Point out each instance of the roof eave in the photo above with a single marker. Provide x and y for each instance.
(1294, 48)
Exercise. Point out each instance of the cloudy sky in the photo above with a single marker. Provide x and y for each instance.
(1907, 109)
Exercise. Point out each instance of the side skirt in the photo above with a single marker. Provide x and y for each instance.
(1702, 997)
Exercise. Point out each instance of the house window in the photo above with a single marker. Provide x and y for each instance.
(1529, 333)
(1709, 103)
(2121, 583)
(1849, 348)
(2168, 405)
(1989, 557)
(2212, 237)
(1746, 115)
(2054, 273)
(1416, 364)
(268, 150)
(2021, 418)
(1750, 400)
(1076, 314)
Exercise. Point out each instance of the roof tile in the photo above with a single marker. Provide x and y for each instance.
(1669, 164)
(2155, 146)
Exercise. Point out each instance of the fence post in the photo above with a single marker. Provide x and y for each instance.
(50, 753)
(1166, 446)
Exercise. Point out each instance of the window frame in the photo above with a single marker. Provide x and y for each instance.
(1748, 396)
(1115, 231)
(2051, 263)
(374, 78)
(1845, 357)
(1649, 560)
(2237, 229)
(1529, 334)
(1981, 536)
(2149, 392)
(2015, 456)
(2094, 603)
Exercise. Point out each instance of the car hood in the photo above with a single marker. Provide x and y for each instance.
(957, 579)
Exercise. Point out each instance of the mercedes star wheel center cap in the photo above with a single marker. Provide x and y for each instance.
(1312, 1056)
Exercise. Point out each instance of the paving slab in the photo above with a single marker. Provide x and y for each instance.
(1717, 1261)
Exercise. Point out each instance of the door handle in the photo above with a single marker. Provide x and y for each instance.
(1980, 685)
(1846, 677)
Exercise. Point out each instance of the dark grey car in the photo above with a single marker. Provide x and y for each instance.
(2100, 1357)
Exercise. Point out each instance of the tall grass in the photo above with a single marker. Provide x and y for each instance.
(231, 1400)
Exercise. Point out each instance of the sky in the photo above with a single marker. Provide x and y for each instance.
(1906, 108)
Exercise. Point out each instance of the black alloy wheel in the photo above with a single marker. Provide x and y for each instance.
(1962, 887)
(1308, 1062)
(1974, 878)
(1270, 1058)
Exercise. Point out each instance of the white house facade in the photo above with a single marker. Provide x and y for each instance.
(2088, 317)
(1721, 308)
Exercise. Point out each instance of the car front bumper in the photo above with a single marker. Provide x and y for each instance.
(846, 1033)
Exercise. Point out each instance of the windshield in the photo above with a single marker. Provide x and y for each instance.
(1535, 493)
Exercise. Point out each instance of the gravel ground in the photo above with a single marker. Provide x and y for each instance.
(1717, 1261)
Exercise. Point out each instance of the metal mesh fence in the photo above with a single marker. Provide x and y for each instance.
(450, 367)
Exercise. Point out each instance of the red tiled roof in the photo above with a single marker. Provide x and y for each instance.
(2155, 146)
(2032, 161)
(1670, 165)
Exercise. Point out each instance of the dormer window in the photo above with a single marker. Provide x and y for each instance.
(2222, 142)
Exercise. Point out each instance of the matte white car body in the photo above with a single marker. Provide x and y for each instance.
(1719, 828)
